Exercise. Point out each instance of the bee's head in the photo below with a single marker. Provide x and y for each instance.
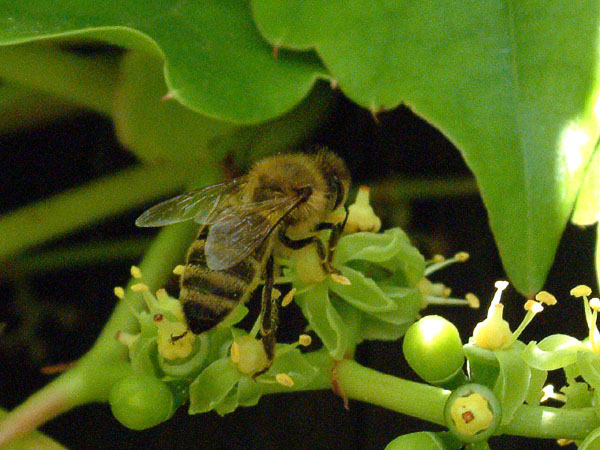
(336, 175)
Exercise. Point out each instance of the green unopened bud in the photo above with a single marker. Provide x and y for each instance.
(433, 349)
(141, 401)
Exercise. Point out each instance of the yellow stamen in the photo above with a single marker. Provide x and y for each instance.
(595, 304)
(581, 291)
(139, 287)
(125, 338)
(461, 256)
(546, 297)
(564, 442)
(533, 306)
(287, 299)
(438, 258)
(275, 293)
(178, 270)
(472, 300)
(136, 272)
(235, 353)
(500, 286)
(340, 279)
(304, 340)
(119, 292)
(284, 379)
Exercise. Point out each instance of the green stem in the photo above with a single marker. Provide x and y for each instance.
(85, 80)
(67, 257)
(93, 376)
(74, 208)
(552, 423)
(35, 440)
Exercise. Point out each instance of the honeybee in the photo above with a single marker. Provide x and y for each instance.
(246, 223)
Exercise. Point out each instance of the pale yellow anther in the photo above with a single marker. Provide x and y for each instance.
(284, 379)
(340, 279)
(275, 293)
(533, 306)
(461, 256)
(136, 272)
(139, 287)
(304, 340)
(446, 291)
(287, 299)
(564, 442)
(235, 353)
(162, 295)
(119, 292)
(595, 303)
(545, 297)
(126, 338)
(438, 258)
(178, 270)
(472, 300)
(581, 291)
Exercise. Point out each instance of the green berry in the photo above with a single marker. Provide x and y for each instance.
(423, 440)
(433, 349)
(141, 401)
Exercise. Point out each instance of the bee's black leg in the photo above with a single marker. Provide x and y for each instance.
(334, 237)
(269, 314)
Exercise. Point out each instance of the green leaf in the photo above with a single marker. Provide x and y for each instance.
(212, 386)
(248, 391)
(587, 207)
(517, 104)
(513, 380)
(578, 395)
(554, 352)
(216, 62)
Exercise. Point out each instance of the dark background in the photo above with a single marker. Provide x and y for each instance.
(54, 318)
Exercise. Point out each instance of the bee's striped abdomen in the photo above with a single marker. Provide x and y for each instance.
(208, 296)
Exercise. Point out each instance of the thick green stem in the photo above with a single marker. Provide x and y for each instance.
(407, 397)
(74, 208)
(36, 440)
(85, 80)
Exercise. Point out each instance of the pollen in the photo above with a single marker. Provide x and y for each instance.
(119, 292)
(136, 272)
(340, 279)
(178, 270)
(287, 299)
(533, 306)
(284, 379)
(472, 300)
(462, 256)
(545, 297)
(304, 340)
(139, 287)
(581, 291)
(235, 353)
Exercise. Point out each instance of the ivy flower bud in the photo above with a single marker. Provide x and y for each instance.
(472, 413)
(141, 401)
(248, 355)
(433, 349)
(361, 216)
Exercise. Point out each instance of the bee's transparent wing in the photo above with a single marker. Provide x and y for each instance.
(202, 205)
(240, 229)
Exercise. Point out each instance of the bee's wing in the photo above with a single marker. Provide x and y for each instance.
(240, 229)
(201, 205)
